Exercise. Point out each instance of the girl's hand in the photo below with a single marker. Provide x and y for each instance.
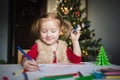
(75, 36)
(30, 65)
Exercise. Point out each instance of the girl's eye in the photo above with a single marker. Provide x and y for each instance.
(43, 31)
(53, 31)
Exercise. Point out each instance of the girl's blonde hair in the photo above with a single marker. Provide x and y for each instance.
(65, 26)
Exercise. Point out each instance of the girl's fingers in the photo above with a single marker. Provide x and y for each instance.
(77, 30)
(32, 69)
(34, 62)
(31, 65)
(75, 35)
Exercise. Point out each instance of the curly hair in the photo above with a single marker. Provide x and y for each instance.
(64, 25)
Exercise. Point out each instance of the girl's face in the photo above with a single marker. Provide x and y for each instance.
(49, 31)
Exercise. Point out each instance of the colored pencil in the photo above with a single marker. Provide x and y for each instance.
(20, 49)
(112, 73)
(75, 28)
(112, 77)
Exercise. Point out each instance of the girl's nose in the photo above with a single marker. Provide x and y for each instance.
(48, 33)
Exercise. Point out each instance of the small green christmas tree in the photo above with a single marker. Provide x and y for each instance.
(102, 58)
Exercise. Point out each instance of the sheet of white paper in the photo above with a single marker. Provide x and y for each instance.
(59, 69)
(53, 69)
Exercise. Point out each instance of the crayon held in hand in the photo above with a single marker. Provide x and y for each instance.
(75, 28)
(21, 50)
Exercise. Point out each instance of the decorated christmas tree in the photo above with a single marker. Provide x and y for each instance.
(75, 11)
(102, 57)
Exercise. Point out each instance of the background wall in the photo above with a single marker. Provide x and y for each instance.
(4, 12)
(51, 4)
(15, 26)
(105, 19)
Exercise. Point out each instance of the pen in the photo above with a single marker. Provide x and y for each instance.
(75, 28)
(20, 49)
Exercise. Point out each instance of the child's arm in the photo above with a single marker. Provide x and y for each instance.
(74, 37)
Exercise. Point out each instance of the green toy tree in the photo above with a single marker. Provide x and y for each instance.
(102, 58)
(75, 11)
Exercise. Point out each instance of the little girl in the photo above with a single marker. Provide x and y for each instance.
(48, 48)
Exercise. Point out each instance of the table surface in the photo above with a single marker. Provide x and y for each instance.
(14, 71)
(11, 71)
